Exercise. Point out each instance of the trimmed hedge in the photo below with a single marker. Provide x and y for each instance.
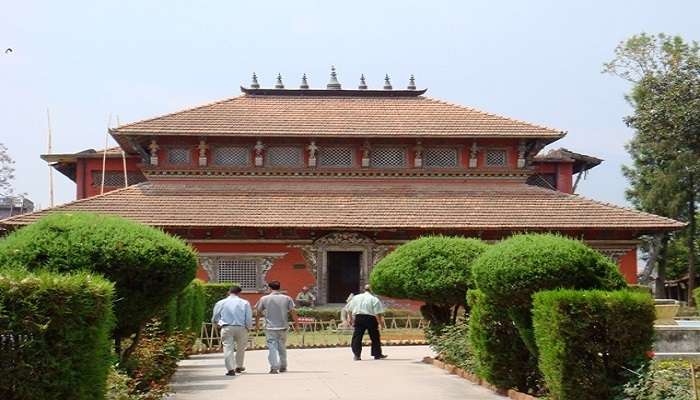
(511, 271)
(434, 269)
(148, 266)
(326, 314)
(589, 340)
(54, 335)
(186, 311)
(500, 354)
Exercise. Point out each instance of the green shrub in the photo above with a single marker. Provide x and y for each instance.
(54, 335)
(640, 289)
(452, 345)
(327, 314)
(511, 271)
(185, 312)
(696, 297)
(199, 303)
(148, 266)
(589, 339)
(214, 292)
(660, 380)
(433, 269)
(499, 353)
(185, 301)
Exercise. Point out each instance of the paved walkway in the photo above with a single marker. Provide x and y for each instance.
(319, 374)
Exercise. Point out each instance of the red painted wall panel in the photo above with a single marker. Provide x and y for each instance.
(628, 266)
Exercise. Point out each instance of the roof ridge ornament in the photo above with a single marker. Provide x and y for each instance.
(254, 84)
(387, 83)
(363, 83)
(279, 84)
(411, 83)
(304, 82)
(333, 84)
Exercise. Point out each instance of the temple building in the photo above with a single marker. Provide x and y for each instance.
(314, 186)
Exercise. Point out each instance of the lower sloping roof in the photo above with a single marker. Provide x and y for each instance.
(364, 205)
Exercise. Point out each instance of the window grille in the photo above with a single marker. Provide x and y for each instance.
(242, 271)
(388, 157)
(179, 156)
(336, 157)
(116, 178)
(496, 158)
(547, 181)
(440, 157)
(285, 156)
(237, 156)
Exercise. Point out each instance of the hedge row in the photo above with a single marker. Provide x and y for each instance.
(54, 335)
(501, 356)
(589, 340)
(213, 292)
(325, 314)
(187, 310)
(148, 266)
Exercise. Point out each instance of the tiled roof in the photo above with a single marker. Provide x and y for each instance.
(361, 205)
(335, 116)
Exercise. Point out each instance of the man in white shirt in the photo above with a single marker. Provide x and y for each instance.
(234, 317)
(365, 313)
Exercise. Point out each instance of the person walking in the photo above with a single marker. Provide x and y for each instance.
(234, 316)
(365, 313)
(276, 307)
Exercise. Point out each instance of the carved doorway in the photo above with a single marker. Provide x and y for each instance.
(343, 274)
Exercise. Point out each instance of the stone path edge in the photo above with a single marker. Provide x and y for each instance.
(452, 369)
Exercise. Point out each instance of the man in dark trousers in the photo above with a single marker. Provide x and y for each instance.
(365, 313)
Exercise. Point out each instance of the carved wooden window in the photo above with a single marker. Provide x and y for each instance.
(496, 158)
(245, 272)
(116, 178)
(179, 156)
(285, 156)
(336, 157)
(440, 157)
(233, 156)
(547, 181)
(388, 157)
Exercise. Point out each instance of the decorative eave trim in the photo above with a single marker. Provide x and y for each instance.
(218, 174)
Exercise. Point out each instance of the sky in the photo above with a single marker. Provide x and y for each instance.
(537, 61)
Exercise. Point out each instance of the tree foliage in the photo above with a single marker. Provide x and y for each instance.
(147, 266)
(7, 171)
(665, 150)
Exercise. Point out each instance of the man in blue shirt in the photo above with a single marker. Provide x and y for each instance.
(234, 316)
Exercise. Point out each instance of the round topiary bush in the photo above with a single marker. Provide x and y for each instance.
(147, 266)
(513, 270)
(433, 269)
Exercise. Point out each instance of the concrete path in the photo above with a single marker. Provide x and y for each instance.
(319, 374)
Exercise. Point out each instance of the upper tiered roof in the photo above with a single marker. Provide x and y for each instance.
(334, 112)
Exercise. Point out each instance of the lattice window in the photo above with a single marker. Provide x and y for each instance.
(336, 157)
(388, 157)
(236, 156)
(240, 270)
(116, 178)
(547, 181)
(179, 156)
(440, 157)
(496, 158)
(285, 156)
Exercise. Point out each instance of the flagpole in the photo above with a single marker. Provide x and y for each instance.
(49, 150)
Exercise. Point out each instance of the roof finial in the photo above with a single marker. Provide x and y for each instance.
(411, 83)
(304, 82)
(363, 84)
(254, 84)
(333, 84)
(279, 84)
(387, 83)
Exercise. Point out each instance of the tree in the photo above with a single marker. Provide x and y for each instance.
(148, 267)
(433, 269)
(7, 172)
(665, 150)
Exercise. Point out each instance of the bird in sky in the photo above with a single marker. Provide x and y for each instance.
(8, 50)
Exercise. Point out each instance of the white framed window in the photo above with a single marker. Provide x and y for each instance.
(388, 157)
(496, 158)
(285, 156)
(179, 156)
(440, 157)
(336, 157)
(244, 271)
(233, 156)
